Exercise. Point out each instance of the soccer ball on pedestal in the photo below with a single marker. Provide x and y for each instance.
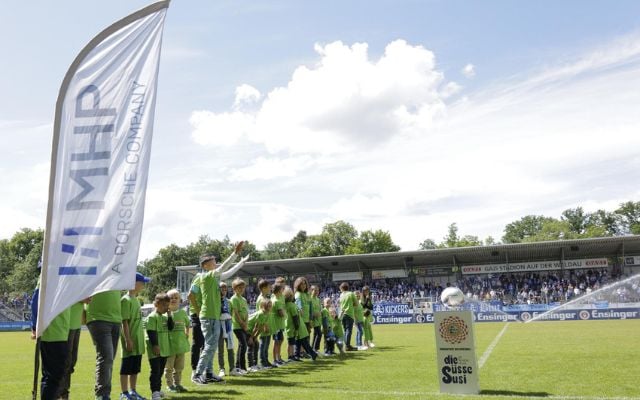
(452, 296)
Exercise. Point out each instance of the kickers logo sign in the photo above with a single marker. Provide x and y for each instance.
(455, 344)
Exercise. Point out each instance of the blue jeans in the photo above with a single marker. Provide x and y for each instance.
(211, 332)
(359, 333)
(347, 324)
(264, 350)
(105, 337)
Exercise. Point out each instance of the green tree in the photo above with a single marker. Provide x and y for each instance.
(553, 229)
(19, 258)
(372, 242)
(602, 223)
(277, 251)
(453, 240)
(317, 246)
(525, 227)
(489, 241)
(452, 236)
(428, 244)
(576, 218)
(629, 213)
(339, 234)
(162, 270)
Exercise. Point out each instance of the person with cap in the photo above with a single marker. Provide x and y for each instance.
(132, 339)
(209, 288)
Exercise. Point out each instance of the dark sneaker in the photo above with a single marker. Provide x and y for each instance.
(211, 378)
(199, 380)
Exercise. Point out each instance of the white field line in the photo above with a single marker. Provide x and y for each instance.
(487, 352)
(431, 395)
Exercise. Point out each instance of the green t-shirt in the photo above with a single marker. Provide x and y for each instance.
(315, 308)
(347, 299)
(210, 290)
(336, 326)
(158, 323)
(239, 304)
(325, 316)
(75, 321)
(178, 340)
(195, 289)
(58, 329)
(105, 306)
(358, 312)
(259, 319)
(303, 300)
(279, 320)
(292, 310)
(271, 319)
(130, 309)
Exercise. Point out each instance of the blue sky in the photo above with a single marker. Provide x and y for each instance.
(276, 116)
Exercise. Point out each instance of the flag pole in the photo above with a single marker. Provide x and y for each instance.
(36, 371)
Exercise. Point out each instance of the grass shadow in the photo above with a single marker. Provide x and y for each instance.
(207, 394)
(513, 393)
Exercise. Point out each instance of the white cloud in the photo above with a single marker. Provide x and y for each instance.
(346, 101)
(224, 129)
(469, 71)
(271, 168)
(450, 89)
(246, 95)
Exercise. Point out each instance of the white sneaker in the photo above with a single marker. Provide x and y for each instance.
(362, 348)
(156, 396)
(372, 345)
(221, 373)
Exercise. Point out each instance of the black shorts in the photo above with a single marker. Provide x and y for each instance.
(131, 365)
(278, 336)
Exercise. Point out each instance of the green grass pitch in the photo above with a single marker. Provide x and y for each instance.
(554, 360)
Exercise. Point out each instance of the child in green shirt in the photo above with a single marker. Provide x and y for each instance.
(265, 338)
(239, 323)
(347, 313)
(279, 318)
(258, 327)
(316, 317)
(303, 302)
(158, 325)
(178, 343)
(336, 326)
(358, 313)
(292, 322)
(132, 340)
(326, 325)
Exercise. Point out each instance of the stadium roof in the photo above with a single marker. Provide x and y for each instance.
(456, 256)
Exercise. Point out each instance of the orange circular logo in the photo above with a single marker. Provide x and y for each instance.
(453, 330)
